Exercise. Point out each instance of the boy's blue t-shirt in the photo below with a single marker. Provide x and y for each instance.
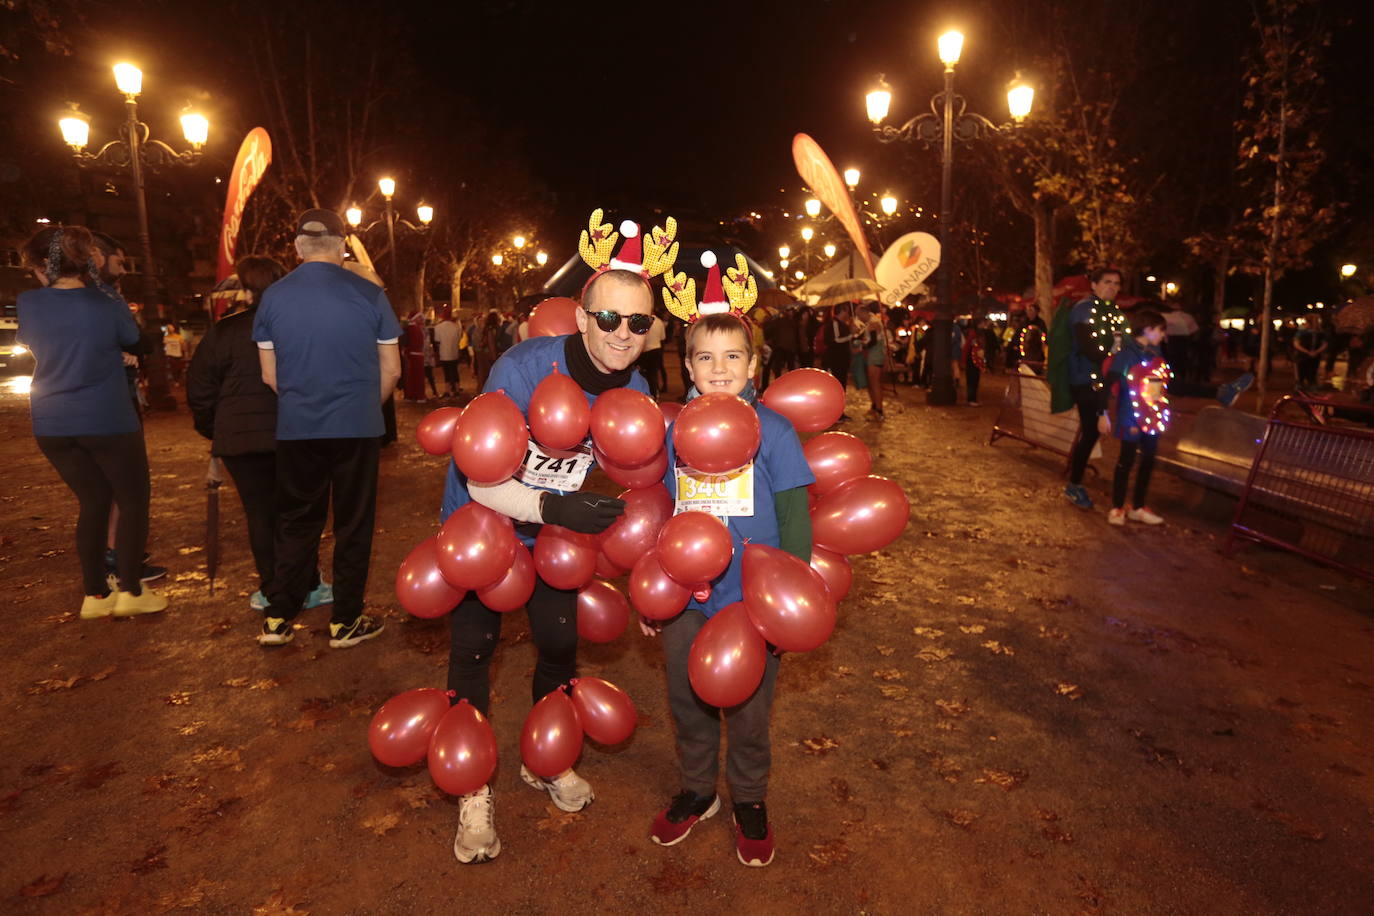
(1081, 368)
(79, 385)
(324, 324)
(518, 372)
(1132, 354)
(779, 465)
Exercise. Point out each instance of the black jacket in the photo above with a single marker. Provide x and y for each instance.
(224, 389)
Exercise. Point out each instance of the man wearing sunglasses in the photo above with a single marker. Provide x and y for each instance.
(613, 323)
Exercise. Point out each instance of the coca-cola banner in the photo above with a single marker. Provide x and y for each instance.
(252, 160)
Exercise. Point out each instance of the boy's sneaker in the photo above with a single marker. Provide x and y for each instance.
(1227, 394)
(476, 840)
(150, 573)
(258, 602)
(322, 594)
(1116, 517)
(1078, 495)
(753, 836)
(146, 602)
(93, 606)
(1143, 514)
(276, 631)
(346, 635)
(569, 792)
(677, 820)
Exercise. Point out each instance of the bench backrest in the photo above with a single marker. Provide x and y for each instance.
(1225, 434)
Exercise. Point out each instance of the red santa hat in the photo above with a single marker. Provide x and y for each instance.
(713, 301)
(631, 254)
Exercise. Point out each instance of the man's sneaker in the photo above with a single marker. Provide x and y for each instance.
(1116, 517)
(276, 631)
(753, 836)
(1078, 495)
(677, 820)
(345, 635)
(1143, 514)
(322, 594)
(476, 840)
(146, 602)
(1227, 394)
(569, 791)
(93, 606)
(150, 573)
(258, 602)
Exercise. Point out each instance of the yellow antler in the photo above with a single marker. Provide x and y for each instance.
(660, 249)
(597, 241)
(740, 286)
(680, 295)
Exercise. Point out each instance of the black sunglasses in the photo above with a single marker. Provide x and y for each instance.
(609, 321)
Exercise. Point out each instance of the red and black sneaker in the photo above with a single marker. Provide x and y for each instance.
(677, 820)
(753, 836)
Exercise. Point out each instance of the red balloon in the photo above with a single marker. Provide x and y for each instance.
(607, 569)
(462, 750)
(835, 458)
(646, 475)
(670, 410)
(636, 531)
(421, 587)
(559, 413)
(694, 548)
(602, 612)
(627, 427)
(860, 515)
(490, 439)
(476, 546)
(435, 432)
(554, 317)
(812, 399)
(716, 433)
(653, 593)
(727, 658)
(787, 600)
(513, 590)
(834, 569)
(400, 731)
(607, 713)
(552, 737)
(565, 558)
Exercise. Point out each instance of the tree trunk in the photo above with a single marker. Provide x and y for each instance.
(421, 300)
(1272, 246)
(455, 285)
(1043, 217)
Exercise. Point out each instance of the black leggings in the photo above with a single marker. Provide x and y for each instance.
(99, 470)
(475, 631)
(1146, 446)
(1088, 403)
(255, 478)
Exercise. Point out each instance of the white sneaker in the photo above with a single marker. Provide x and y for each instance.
(476, 840)
(1116, 517)
(1142, 514)
(569, 791)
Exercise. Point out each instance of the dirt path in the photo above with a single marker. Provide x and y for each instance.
(1022, 710)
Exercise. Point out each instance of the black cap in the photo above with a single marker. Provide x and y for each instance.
(317, 223)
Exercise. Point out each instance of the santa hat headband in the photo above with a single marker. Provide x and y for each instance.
(647, 256)
(734, 294)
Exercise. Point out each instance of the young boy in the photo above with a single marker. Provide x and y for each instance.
(1139, 375)
(721, 358)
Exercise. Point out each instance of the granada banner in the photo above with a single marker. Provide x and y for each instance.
(815, 168)
(254, 156)
(906, 264)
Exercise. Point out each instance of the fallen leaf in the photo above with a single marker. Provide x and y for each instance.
(819, 746)
(1053, 632)
(952, 708)
(844, 671)
(419, 795)
(885, 650)
(43, 886)
(555, 820)
(1055, 835)
(826, 855)
(893, 691)
(965, 599)
(997, 648)
(189, 898)
(840, 789)
(973, 628)
(928, 632)
(1006, 779)
(267, 683)
(934, 654)
(187, 551)
(382, 824)
(54, 684)
(192, 728)
(961, 817)
(1072, 691)
(235, 682)
(888, 674)
(279, 905)
(181, 698)
(220, 627)
(218, 757)
(152, 860)
(948, 770)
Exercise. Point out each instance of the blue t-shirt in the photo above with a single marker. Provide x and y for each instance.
(779, 465)
(1081, 368)
(324, 324)
(518, 372)
(79, 386)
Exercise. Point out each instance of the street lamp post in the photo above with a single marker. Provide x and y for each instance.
(134, 148)
(946, 121)
(423, 212)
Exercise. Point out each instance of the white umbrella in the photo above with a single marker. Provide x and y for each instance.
(1178, 323)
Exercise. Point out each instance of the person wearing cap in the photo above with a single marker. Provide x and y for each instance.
(327, 344)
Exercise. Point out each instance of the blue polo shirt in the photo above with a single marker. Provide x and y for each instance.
(79, 386)
(324, 324)
(518, 372)
(779, 465)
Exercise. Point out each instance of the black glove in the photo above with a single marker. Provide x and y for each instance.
(589, 513)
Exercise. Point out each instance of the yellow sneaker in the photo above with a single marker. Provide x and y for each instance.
(94, 606)
(149, 602)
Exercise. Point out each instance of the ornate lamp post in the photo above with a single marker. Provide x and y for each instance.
(423, 212)
(946, 122)
(134, 148)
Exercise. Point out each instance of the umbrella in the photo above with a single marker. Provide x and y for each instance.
(213, 479)
(855, 288)
(1178, 323)
(1355, 317)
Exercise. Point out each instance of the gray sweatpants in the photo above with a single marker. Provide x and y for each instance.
(748, 755)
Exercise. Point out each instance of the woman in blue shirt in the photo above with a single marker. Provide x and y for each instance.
(83, 418)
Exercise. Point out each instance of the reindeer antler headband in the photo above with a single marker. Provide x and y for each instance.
(736, 295)
(648, 256)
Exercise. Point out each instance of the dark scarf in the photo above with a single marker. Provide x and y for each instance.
(583, 371)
